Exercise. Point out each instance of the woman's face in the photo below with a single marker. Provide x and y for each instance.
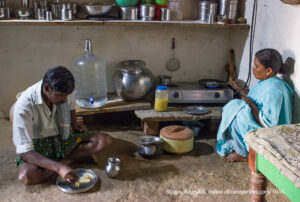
(260, 71)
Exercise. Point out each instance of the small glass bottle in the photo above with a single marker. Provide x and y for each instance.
(161, 99)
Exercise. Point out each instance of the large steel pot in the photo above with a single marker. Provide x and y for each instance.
(132, 80)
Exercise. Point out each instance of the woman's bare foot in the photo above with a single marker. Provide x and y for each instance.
(234, 157)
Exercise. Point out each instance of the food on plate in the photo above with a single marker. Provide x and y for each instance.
(85, 178)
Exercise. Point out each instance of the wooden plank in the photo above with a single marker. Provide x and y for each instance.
(176, 114)
(273, 174)
(252, 160)
(115, 104)
(85, 22)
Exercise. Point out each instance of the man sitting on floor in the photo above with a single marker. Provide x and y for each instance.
(46, 133)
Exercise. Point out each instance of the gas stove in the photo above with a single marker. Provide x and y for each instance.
(197, 93)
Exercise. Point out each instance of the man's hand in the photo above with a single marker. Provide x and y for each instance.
(79, 127)
(67, 173)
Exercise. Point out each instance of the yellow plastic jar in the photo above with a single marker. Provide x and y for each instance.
(161, 99)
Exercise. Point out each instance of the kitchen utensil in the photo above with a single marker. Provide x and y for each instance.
(165, 14)
(232, 9)
(2, 13)
(2, 3)
(129, 13)
(197, 110)
(207, 11)
(96, 9)
(212, 83)
(23, 13)
(126, 2)
(49, 16)
(75, 187)
(150, 146)
(147, 12)
(133, 80)
(7, 12)
(195, 126)
(173, 64)
(25, 3)
(165, 80)
(177, 139)
(112, 167)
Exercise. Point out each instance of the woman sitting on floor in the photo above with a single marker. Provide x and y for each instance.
(267, 104)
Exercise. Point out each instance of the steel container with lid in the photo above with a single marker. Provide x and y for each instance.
(207, 11)
(133, 80)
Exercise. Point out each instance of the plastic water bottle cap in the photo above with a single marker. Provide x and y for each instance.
(91, 100)
(162, 87)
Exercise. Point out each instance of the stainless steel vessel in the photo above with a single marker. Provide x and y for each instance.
(96, 9)
(150, 146)
(132, 80)
(129, 13)
(207, 11)
(112, 167)
(147, 12)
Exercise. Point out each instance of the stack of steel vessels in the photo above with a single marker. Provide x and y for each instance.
(208, 11)
(228, 9)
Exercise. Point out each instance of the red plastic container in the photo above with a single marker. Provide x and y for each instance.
(157, 15)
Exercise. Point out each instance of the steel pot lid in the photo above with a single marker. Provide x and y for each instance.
(150, 140)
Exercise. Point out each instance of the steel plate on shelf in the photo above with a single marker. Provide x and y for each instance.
(74, 187)
(196, 110)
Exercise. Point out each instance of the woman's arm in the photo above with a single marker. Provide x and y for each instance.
(254, 110)
(238, 86)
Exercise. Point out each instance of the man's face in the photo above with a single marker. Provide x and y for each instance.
(55, 97)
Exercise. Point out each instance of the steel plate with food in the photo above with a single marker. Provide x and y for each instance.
(196, 110)
(86, 180)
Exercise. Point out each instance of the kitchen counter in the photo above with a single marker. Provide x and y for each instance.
(151, 118)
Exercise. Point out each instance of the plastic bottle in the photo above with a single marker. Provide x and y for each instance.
(161, 99)
(90, 79)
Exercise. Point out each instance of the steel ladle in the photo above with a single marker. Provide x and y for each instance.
(173, 64)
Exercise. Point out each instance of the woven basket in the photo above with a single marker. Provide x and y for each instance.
(292, 2)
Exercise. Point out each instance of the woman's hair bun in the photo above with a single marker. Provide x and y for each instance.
(284, 69)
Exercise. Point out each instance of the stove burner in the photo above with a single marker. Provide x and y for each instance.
(212, 83)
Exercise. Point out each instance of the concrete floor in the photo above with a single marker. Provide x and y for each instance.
(198, 176)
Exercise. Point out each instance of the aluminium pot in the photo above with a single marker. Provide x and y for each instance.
(132, 81)
(150, 146)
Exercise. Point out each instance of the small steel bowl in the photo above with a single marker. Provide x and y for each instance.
(96, 9)
(150, 146)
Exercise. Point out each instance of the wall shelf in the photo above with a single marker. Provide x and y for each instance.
(121, 22)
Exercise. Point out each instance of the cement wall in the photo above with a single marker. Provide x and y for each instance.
(28, 51)
(277, 26)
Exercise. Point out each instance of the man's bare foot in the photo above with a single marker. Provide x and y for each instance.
(234, 157)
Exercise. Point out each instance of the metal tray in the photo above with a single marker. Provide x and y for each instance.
(69, 187)
(196, 110)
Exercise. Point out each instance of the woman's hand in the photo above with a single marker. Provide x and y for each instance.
(238, 86)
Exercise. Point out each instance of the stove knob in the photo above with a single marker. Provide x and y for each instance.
(217, 94)
(176, 95)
